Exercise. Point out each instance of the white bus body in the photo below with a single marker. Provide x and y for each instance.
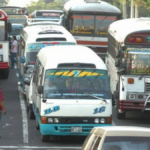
(128, 64)
(70, 111)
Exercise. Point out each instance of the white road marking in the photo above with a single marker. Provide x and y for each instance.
(113, 123)
(24, 120)
(37, 147)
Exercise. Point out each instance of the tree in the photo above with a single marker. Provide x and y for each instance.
(41, 5)
(3, 2)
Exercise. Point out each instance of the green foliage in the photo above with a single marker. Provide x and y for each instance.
(41, 5)
(144, 6)
(3, 2)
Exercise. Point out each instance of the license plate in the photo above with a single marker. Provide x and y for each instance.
(147, 80)
(76, 129)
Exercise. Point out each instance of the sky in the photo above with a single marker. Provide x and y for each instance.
(21, 3)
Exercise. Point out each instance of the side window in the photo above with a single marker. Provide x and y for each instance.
(35, 70)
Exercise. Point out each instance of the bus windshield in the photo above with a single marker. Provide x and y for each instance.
(2, 30)
(94, 25)
(76, 84)
(138, 62)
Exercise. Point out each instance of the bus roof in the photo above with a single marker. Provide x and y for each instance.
(34, 32)
(12, 7)
(122, 28)
(82, 6)
(69, 54)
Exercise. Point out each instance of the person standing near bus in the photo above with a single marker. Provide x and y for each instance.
(2, 108)
(13, 52)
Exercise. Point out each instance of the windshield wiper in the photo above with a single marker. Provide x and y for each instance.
(102, 99)
(144, 73)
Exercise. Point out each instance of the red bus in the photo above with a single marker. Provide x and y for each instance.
(5, 28)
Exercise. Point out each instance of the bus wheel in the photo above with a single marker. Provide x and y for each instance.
(45, 138)
(5, 74)
(121, 115)
(31, 114)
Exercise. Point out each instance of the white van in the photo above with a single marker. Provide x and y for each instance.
(71, 91)
(33, 38)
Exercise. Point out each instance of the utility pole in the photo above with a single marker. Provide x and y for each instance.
(132, 9)
(136, 11)
(124, 6)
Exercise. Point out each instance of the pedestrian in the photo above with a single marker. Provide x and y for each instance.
(2, 108)
(13, 52)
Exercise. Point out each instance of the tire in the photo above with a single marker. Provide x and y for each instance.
(31, 114)
(121, 115)
(44, 138)
(5, 74)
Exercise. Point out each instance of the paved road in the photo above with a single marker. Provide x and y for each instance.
(16, 119)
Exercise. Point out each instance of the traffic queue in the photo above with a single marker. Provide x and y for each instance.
(70, 90)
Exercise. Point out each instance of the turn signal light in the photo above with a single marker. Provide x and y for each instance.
(139, 39)
(43, 120)
(1, 46)
(109, 120)
(130, 80)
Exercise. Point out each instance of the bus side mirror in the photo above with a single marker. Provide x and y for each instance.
(121, 71)
(22, 59)
(27, 81)
(9, 27)
(40, 89)
(117, 62)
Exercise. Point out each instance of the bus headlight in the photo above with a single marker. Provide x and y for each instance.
(56, 120)
(50, 120)
(96, 120)
(132, 96)
(102, 120)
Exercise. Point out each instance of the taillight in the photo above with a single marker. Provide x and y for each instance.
(135, 40)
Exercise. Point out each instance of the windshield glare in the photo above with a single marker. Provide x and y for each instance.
(91, 24)
(126, 143)
(76, 84)
(138, 63)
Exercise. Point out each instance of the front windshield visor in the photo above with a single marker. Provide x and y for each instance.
(93, 25)
(138, 61)
(76, 84)
(34, 48)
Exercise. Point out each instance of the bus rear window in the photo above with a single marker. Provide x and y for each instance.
(50, 39)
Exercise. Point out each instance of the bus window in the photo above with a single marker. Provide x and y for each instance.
(2, 29)
(82, 24)
(102, 24)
